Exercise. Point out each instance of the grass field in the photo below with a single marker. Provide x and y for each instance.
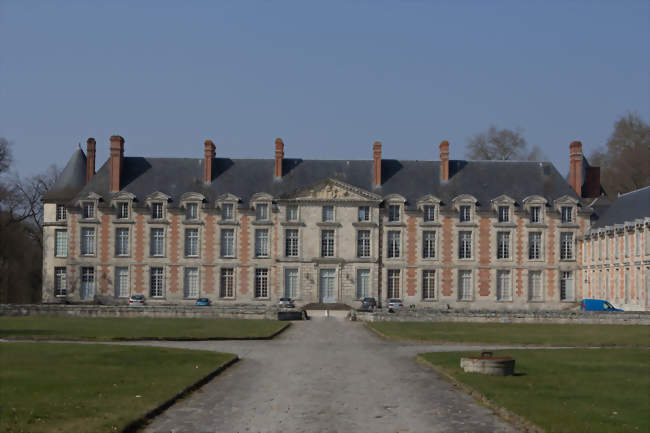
(90, 387)
(106, 329)
(518, 333)
(568, 390)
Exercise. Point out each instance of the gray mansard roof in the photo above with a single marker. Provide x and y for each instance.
(485, 180)
(627, 208)
(71, 180)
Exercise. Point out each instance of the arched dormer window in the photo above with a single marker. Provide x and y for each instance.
(465, 205)
(261, 204)
(567, 206)
(394, 204)
(504, 206)
(534, 206)
(88, 205)
(227, 205)
(430, 206)
(157, 202)
(192, 202)
(122, 202)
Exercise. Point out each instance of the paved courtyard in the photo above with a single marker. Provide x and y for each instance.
(326, 376)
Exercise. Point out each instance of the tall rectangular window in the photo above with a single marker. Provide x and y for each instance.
(123, 211)
(227, 283)
(227, 243)
(566, 246)
(504, 214)
(60, 243)
(465, 213)
(617, 245)
(261, 283)
(291, 242)
(393, 283)
(157, 242)
(535, 292)
(191, 283)
(328, 213)
(156, 288)
(291, 283)
(429, 213)
(566, 286)
(122, 242)
(607, 248)
(393, 213)
(364, 213)
(534, 245)
(122, 282)
(428, 245)
(464, 245)
(535, 214)
(261, 243)
(503, 245)
(88, 209)
(87, 283)
(228, 211)
(87, 241)
(567, 214)
(156, 210)
(626, 237)
(637, 242)
(292, 212)
(61, 213)
(192, 211)
(262, 212)
(363, 243)
(428, 284)
(394, 244)
(504, 293)
(327, 243)
(60, 281)
(191, 242)
(465, 285)
(363, 283)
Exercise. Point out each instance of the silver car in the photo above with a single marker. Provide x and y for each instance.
(286, 303)
(393, 304)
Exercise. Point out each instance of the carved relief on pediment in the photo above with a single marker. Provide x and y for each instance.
(331, 190)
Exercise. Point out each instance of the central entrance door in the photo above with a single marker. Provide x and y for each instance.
(327, 291)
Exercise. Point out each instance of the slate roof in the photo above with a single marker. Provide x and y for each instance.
(627, 207)
(485, 180)
(71, 180)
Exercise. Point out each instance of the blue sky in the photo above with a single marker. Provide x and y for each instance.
(330, 77)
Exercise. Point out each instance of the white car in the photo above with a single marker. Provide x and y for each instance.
(136, 301)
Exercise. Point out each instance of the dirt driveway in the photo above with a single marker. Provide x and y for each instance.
(326, 376)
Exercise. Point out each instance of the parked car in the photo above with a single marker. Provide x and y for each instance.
(394, 304)
(368, 304)
(597, 305)
(286, 303)
(203, 302)
(136, 301)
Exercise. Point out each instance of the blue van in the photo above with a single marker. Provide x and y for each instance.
(597, 305)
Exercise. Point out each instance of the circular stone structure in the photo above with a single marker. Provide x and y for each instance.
(487, 364)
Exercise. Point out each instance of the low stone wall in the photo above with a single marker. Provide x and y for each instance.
(589, 317)
(212, 312)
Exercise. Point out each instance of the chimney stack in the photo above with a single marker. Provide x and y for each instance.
(116, 162)
(90, 158)
(208, 156)
(444, 160)
(575, 167)
(279, 155)
(376, 166)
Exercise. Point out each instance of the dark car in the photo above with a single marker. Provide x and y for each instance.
(368, 304)
(203, 302)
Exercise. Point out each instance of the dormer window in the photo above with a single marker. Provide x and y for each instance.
(364, 213)
(88, 209)
(192, 211)
(157, 210)
(567, 214)
(262, 212)
(61, 212)
(429, 213)
(465, 213)
(504, 214)
(123, 211)
(292, 212)
(393, 213)
(228, 212)
(535, 214)
(328, 213)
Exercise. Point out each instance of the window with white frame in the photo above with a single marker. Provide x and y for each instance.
(393, 213)
(465, 285)
(364, 213)
(617, 244)
(327, 243)
(328, 213)
(504, 291)
(363, 243)
(60, 243)
(566, 246)
(157, 242)
(156, 280)
(606, 284)
(626, 237)
(121, 241)
(394, 244)
(504, 214)
(465, 213)
(626, 285)
(227, 283)
(261, 243)
(363, 283)
(600, 248)
(291, 282)
(191, 242)
(88, 209)
(123, 210)
(192, 211)
(227, 243)
(157, 210)
(464, 245)
(87, 241)
(228, 211)
(393, 283)
(261, 283)
(567, 214)
(60, 281)
(637, 243)
(534, 245)
(262, 212)
(535, 214)
(607, 240)
(535, 292)
(122, 282)
(428, 244)
(429, 212)
(291, 242)
(87, 283)
(566, 286)
(503, 245)
(191, 286)
(637, 275)
(428, 284)
(647, 242)
(292, 212)
(61, 212)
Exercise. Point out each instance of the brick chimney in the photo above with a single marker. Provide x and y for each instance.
(376, 164)
(444, 160)
(116, 162)
(208, 156)
(279, 155)
(575, 167)
(90, 158)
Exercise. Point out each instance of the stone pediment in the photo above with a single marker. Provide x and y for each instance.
(331, 189)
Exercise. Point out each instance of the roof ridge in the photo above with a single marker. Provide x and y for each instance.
(632, 192)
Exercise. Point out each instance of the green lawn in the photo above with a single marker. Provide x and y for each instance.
(518, 333)
(104, 329)
(51, 387)
(568, 390)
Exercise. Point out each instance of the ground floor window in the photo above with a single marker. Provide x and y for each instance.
(428, 284)
(227, 283)
(291, 283)
(535, 292)
(60, 281)
(122, 282)
(261, 283)
(87, 283)
(156, 283)
(393, 283)
(504, 292)
(465, 285)
(191, 282)
(363, 283)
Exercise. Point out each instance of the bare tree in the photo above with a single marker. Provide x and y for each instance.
(5, 154)
(501, 144)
